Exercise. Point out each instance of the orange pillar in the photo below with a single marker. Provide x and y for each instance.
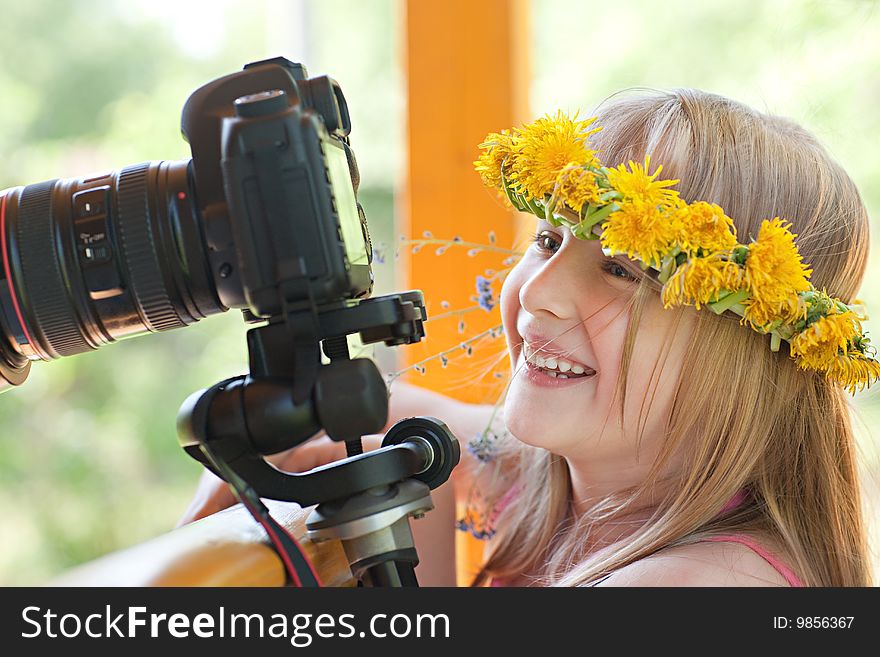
(467, 73)
(467, 65)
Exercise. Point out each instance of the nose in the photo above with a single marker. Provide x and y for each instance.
(552, 287)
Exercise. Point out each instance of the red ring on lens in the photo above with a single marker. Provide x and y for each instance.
(8, 272)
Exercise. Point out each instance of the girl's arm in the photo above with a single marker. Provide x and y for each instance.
(434, 534)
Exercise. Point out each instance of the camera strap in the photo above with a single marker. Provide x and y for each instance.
(300, 571)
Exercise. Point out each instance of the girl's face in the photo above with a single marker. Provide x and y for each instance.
(565, 296)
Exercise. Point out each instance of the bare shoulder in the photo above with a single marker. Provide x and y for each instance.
(700, 564)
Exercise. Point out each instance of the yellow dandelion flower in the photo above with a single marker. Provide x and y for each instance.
(774, 274)
(544, 148)
(700, 280)
(818, 345)
(637, 185)
(854, 371)
(496, 147)
(705, 226)
(640, 230)
(575, 186)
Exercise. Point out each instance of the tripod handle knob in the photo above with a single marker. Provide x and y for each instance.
(433, 433)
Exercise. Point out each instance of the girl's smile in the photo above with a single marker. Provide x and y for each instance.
(547, 378)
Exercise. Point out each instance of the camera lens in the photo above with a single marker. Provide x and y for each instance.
(87, 261)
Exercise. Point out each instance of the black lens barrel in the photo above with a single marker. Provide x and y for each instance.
(138, 242)
(50, 318)
(89, 261)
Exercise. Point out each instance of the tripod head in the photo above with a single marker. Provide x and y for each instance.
(366, 499)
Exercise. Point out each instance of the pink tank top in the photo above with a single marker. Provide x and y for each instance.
(742, 539)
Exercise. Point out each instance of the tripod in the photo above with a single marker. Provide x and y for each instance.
(364, 500)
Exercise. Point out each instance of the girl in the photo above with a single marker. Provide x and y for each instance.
(641, 445)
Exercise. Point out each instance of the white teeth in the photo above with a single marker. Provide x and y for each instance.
(553, 363)
(556, 375)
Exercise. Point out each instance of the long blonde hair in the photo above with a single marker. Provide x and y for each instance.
(783, 434)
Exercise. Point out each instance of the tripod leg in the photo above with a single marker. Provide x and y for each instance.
(391, 573)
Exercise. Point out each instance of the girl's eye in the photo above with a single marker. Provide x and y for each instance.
(617, 270)
(545, 241)
(541, 239)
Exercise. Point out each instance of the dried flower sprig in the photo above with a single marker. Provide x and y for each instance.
(548, 168)
(473, 247)
(467, 346)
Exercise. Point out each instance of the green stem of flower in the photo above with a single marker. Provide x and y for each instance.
(775, 341)
(786, 332)
(560, 219)
(599, 215)
(586, 211)
(535, 208)
(609, 196)
(550, 206)
(665, 269)
(727, 302)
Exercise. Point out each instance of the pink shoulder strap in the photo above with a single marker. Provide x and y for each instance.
(733, 503)
(774, 561)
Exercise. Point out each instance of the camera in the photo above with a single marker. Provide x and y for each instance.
(264, 218)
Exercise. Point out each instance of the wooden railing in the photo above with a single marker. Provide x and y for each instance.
(225, 549)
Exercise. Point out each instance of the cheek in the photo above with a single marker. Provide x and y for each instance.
(510, 308)
(656, 366)
(607, 332)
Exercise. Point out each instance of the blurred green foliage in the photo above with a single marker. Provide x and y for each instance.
(89, 460)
